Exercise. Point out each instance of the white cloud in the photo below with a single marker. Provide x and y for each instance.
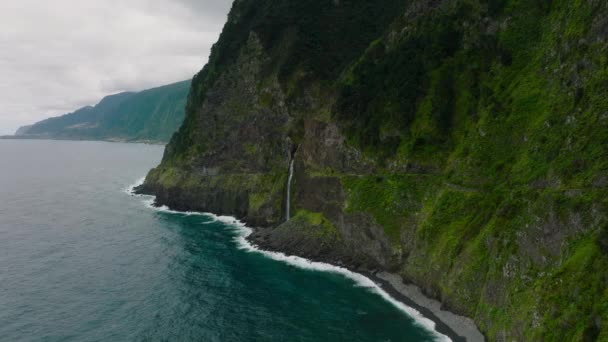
(56, 56)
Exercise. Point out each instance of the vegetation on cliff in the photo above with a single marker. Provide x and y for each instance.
(463, 144)
(151, 115)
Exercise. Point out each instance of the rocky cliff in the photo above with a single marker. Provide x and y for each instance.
(460, 143)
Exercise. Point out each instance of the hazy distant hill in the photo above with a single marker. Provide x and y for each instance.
(22, 130)
(151, 115)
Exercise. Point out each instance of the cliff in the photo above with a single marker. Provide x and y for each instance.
(460, 143)
(151, 115)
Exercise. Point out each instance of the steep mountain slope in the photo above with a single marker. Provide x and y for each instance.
(460, 143)
(23, 130)
(150, 115)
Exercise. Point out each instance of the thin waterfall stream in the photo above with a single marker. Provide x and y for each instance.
(288, 199)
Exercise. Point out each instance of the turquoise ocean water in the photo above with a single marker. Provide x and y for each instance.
(82, 260)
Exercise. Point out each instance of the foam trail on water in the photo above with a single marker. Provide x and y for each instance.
(244, 244)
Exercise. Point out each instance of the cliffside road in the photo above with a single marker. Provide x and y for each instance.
(460, 188)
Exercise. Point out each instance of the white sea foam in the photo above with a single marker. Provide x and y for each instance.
(241, 239)
(150, 200)
(131, 188)
(150, 203)
(359, 279)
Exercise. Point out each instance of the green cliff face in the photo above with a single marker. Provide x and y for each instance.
(462, 144)
(151, 115)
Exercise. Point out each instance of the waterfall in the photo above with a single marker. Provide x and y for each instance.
(288, 199)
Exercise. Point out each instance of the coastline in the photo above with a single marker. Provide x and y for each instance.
(124, 141)
(457, 328)
(408, 298)
(463, 327)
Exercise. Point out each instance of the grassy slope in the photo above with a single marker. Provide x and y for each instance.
(153, 114)
(150, 115)
(516, 124)
(500, 108)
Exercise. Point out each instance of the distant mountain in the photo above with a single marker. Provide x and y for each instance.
(23, 130)
(151, 115)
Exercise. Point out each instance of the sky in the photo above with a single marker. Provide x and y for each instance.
(60, 55)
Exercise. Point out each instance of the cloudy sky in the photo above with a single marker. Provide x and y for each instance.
(60, 55)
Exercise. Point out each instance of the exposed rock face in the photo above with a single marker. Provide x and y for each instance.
(246, 148)
(460, 144)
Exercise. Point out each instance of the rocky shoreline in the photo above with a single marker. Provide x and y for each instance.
(457, 328)
(274, 239)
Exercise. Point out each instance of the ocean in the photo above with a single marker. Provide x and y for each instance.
(82, 259)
